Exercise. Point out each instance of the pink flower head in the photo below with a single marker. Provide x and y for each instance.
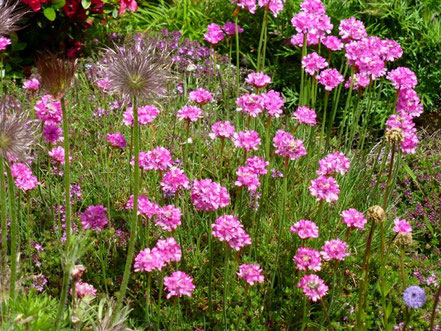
(168, 218)
(32, 84)
(402, 78)
(57, 155)
(409, 104)
(116, 140)
(305, 115)
(334, 163)
(308, 259)
(157, 159)
(324, 188)
(287, 146)
(94, 218)
(257, 164)
(251, 273)
(214, 34)
(247, 177)
(402, 226)
(178, 284)
(201, 96)
(48, 109)
(228, 228)
(311, 39)
(334, 250)
(305, 23)
(330, 78)
(274, 6)
(315, 7)
(392, 50)
(127, 4)
(360, 81)
(4, 42)
(258, 79)
(145, 206)
(230, 28)
(208, 195)
(313, 63)
(353, 218)
(352, 28)
(222, 130)
(313, 287)
(273, 103)
(248, 140)
(190, 113)
(174, 180)
(332, 43)
(305, 229)
(405, 123)
(249, 5)
(251, 104)
(52, 132)
(104, 84)
(149, 260)
(146, 115)
(84, 290)
(23, 177)
(169, 250)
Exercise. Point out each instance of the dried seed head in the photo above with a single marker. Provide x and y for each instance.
(11, 12)
(376, 214)
(404, 239)
(77, 272)
(394, 136)
(56, 74)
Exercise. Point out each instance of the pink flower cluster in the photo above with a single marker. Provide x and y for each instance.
(352, 29)
(332, 43)
(165, 251)
(4, 42)
(201, 96)
(313, 63)
(287, 146)
(214, 34)
(48, 109)
(353, 218)
(57, 155)
(174, 180)
(146, 115)
(249, 175)
(360, 81)
(305, 115)
(190, 113)
(251, 273)
(222, 130)
(248, 140)
(208, 195)
(116, 140)
(407, 126)
(23, 177)
(228, 228)
(273, 103)
(274, 6)
(157, 159)
(408, 103)
(145, 206)
(168, 218)
(52, 132)
(313, 287)
(32, 84)
(94, 218)
(84, 290)
(335, 163)
(308, 259)
(258, 79)
(334, 250)
(251, 104)
(402, 226)
(178, 284)
(305, 229)
(230, 28)
(249, 5)
(324, 188)
(330, 78)
(402, 78)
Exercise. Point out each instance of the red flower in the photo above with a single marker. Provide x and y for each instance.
(127, 4)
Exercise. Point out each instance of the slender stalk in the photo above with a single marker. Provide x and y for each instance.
(261, 41)
(225, 298)
(66, 173)
(14, 239)
(403, 272)
(322, 132)
(327, 314)
(148, 297)
(210, 275)
(302, 79)
(435, 306)
(3, 214)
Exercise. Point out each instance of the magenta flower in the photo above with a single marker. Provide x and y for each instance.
(157, 159)
(201, 96)
(208, 195)
(104, 84)
(305, 23)
(246, 176)
(324, 188)
(305, 229)
(273, 103)
(249, 5)
(247, 139)
(4, 42)
(222, 130)
(251, 104)
(116, 140)
(214, 34)
(311, 39)
(334, 250)
(305, 115)
(145, 206)
(330, 78)
(149, 260)
(94, 218)
(57, 155)
(146, 115)
(392, 50)
(308, 259)
(32, 84)
(258, 79)
(313, 287)
(230, 28)
(407, 126)
(52, 133)
(352, 28)
(257, 164)
(228, 228)
(402, 226)
(190, 113)
(333, 164)
(353, 218)
(251, 273)
(168, 218)
(313, 63)
(48, 109)
(409, 104)
(315, 7)
(178, 284)
(174, 180)
(274, 6)
(169, 250)
(23, 177)
(402, 78)
(84, 290)
(360, 81)
(287, 146)
(332, 43)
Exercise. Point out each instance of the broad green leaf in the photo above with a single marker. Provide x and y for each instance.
(57, 4)
(50, 13)
(85, 4)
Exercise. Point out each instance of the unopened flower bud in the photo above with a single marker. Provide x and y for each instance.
(394, 136)
(404, 239)
(376, 214)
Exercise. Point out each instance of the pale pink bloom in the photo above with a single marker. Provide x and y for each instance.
(305, 23)
(392, 50)
(324, 188)
(174, 180)
(330, 78)
(208, 195)
(251, 273)
(104, 84)
(23, 177)
(353, 218)
(273, 103)
(402, 226)
(258, 79)
(274, 6)
(94, 218)
(332, 43)
(360, 80)
(52, 132)
(230, 28)
(313, 287)
(48, 109)
(178, 284)
(308, 259)
(149, 260)
(168, 218)
(249, 5)
(311, 39)
(145, 206)
(247, 139)
(157, 159)
(228, 228)
(222, 130)
(287, 146)
(258, 164)
(402, 78)
(251, 104)
(32, 84)
(57, 155)
(84, 290)
(146, 115)
(352, 28)
(409, 104)
(4, 42)
(313, 63)
(305, 229)
(334, 163)
(200, 96)
(169, 250)
(127, 4)
(246, 176)
(116, 140)
(190, 113)
(334, 250)
(407, 126)
(313, 6)
(214, 34)
(305, 115)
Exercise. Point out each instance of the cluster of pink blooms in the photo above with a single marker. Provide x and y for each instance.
(258, 79)
(258, 164)
(57, 155)
(274, 6)
(313, 63)
(208, 195)
(409, 103)
(353, 219)
(407, 126)
(168, 218)
(249, 5)
(116, 140)
(173, 180)
(246, 176)
(251, 273)
(332, 43)
(334, 250)
(228, 228)
(32, 84)
(23, 177)
(308, 259)
(146, 115)
(4, 42)
(190, 113)
(104, 84)
(313, 287)
(248, 140)
(201, 96)
(94, 218)
(146, 207)
(273, 103)
(402, 226)
(84, 290)
(157, 159)
(165, 250)
(352, 29)
(402, 78)
(335, 163)
(287, 146)
(178, 284)
(48, 110)
(305, 229)
(251, 104)
(214, 34)
(330, 78)
(52, 132)
(324, 188)
(305, 115)
(230, 28)
(360, 81)
(223, 130)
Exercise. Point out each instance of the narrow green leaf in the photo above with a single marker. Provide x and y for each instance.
(412, 175)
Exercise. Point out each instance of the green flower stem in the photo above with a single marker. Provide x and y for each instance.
(403, 271)
(261, 41)
(226, 280)
(148, 297)
(302, 79)
(14, 239)
(210, 274)
(3, 215)
(435, 306)
(322, 132)
(327, 314)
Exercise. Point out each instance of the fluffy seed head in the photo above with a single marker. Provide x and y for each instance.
(404, 239)
(394, 136)
(11, 12)
(376, 214)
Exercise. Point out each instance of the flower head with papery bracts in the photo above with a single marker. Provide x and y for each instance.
(258, 165)
(149, 260)
(409, 103)
(23, 177)
(250, 104)
(174, 180)
(402, 78)
(305, 229)
(168, 218)
(410, 140)
(169, 249)
(57, 155)
(201, 96)
(222, 130)
(353, 218)
(249, 5)
(83, 290)
(230, 28)
(287, 146)
(414, 297)
(258, 79)
(214, 34)
(315, 7)
(4, 43)
(313, 287)
(48, 109)
(145, 206)
(352, 29)
(228, 228)
(246, 176)
(251, 273)
(146, 115)
(178, 284)
(332, 43)
(402, 226)
(308, 259)
(313, 63)
(274, 6)
(94, 218)
(157, 159)
(305, 115)
(330, 78)
(333, 164)
(334, 250)
(273, 103)
(247, 139)
(324, 188)
(116, 140)
(360, 81)
(190, 113)
(32, 84)
(208, 195)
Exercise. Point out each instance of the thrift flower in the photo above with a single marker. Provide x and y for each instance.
(116, 140)
(32, 84)
(305, 115)
(24, 179)
(178, 284)
(251, 273)
(214, 34)
(4, 42)
(402, 226)
(257, 164)
(308, 259)
(258, 79)
(250, 104)
(57, 155)
(247, 139)
(246, 176)
(324, 188)
(230, 28)
(222, 130)
(168, 218)
(273, 103)
(249, 5)
(208, 195)
(94, 218)
(274, 6)
(353, 219)
(190, 113)
(52, 133)
(334, 250)
(146, 115)
(402, 78)
(330, 78)
(169, 250)
(47, 109)
(157, 159)
(145, 206)
(332, 43)
(84, 290)
(313, 287)
(173, 180)
(201, 96)
(228, 228)
(287, 146)
(149, 260)
(352, 28)
(332, 164)
(305, 229)
(313, 63)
